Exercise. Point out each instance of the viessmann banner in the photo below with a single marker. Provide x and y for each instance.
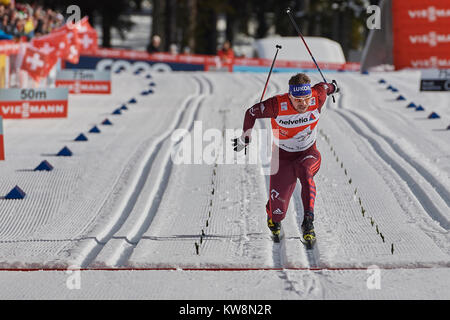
(34, 103)
(84, 81)
(421, 33)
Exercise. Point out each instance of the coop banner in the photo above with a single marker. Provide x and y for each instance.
(81, 81)
(119, 63)
(118, 60)
(421, 33)
(34, 103)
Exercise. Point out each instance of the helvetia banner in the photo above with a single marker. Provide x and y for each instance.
(30, 103)
(81, 81)
(421, 34)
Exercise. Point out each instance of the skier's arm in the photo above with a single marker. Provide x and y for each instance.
(265, 109)
(325, 89)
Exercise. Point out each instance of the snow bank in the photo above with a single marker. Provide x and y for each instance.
(323, 49)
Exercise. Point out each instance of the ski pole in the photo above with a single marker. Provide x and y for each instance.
(270, 72)
(267, 81)
(288, 11)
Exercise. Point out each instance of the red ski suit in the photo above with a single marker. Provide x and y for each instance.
(294, 137)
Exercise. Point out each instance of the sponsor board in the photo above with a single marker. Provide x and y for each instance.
(9, 47)
(421, 34)
(435, 80)
(117, 64)
(84, 81)
(2, 146)
(129, 60)
(31, 103)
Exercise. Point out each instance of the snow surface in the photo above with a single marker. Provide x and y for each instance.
(120, 202)
(323, 49)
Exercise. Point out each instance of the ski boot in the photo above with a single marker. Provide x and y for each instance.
(309, 236)
(275, 227)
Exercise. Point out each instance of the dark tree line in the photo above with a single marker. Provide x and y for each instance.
(193, 23)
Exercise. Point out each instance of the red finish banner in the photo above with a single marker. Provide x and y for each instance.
(421, 33)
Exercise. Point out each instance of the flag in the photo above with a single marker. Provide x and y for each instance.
(55, 44)
(73, 54)
(82, 39)
(37, 63)
(87, 36)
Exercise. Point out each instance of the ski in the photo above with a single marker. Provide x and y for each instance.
(309, 242)
(278, 237)
(309, 236)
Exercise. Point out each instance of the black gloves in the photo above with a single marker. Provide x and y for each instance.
(239, 144)
(336, 88)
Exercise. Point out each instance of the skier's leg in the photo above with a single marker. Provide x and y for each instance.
(306, 167)
(282, 184)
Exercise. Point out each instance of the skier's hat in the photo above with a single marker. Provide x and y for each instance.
(300, 91)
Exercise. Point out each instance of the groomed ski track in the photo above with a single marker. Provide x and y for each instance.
(123, 211)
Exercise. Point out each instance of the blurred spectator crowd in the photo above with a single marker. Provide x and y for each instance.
(23, 20)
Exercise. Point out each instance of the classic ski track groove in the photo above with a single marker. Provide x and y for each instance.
(123, 253)
(434, 181)
(418, 191)
(89, 254)
(124, 250)
(278, 249)
(129, 242)
(439, 187)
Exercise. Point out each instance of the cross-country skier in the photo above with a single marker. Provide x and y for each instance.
(294, 117)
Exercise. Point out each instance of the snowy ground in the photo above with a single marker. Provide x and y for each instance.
(120, 202)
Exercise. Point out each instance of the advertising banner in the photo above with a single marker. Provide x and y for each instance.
(8, 47)
(84, 81)
(117, 59)
(2, 146)
(421, 31)
(435, 80)
(34, 103)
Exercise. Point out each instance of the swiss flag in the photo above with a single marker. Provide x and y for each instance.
(87, 36)
(54, 44)
(37, 63)
(82, 39)
(73, 54)
(74, 48)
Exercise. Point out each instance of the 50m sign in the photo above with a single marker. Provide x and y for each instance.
(33, 94)
(34, 103)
